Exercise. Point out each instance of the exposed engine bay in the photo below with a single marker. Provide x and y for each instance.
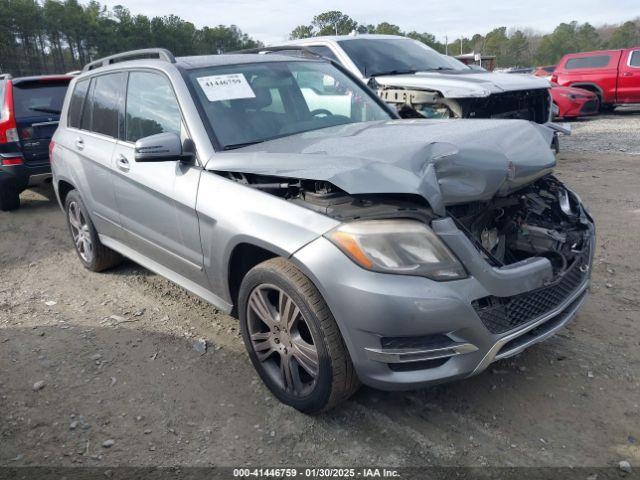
(523, 105)
(327, 199)
(541, 219)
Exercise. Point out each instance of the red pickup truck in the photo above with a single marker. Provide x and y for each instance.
(613, 75)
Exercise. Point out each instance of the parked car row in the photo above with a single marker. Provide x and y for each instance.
(599, 81)
(353, 246)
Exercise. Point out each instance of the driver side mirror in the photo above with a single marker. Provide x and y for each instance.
(163, 147)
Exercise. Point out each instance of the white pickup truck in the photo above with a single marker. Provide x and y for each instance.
(421, 82)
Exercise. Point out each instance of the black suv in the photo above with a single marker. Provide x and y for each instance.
(29, 113)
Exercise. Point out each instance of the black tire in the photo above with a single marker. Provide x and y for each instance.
(102, 257)
(606, 107)
(9, 198)
(336, 379)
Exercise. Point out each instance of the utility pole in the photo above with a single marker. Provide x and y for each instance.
(460, 45)
(446, 45)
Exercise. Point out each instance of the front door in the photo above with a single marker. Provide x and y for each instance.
(157, 201)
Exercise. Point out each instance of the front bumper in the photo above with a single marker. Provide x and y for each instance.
(405, 332)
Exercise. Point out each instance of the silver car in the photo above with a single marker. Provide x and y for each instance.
(352, 246)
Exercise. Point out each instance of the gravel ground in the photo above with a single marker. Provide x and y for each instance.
(615, 132)
(101, 369)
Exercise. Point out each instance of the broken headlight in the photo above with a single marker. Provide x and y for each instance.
(403, 247)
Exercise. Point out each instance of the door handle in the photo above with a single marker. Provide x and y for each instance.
(123, 163)
(79, 143)
(627, 74)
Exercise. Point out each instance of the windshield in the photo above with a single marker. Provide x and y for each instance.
(395, 55)
(251, 103)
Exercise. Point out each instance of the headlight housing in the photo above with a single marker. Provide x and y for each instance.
(404, 247)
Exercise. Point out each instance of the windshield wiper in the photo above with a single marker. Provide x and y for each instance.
(394, 72)
(233, 146)
(45, 110)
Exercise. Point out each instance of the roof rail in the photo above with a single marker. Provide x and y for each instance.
(5, 76)
(284, 48)
(160, 53)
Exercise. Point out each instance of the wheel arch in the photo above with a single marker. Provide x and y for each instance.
(592, 87)
(63, 189)
(245, 255)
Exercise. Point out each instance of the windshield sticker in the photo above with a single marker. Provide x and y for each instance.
(226, 87)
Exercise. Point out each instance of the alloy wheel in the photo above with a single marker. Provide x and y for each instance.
(282, 340)
(80, 232)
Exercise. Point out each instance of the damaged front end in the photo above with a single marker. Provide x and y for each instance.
(533, 105)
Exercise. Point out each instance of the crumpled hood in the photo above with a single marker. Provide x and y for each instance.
(464, 85)
(445, 161)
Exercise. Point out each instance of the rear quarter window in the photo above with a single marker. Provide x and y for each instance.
(634, 61)
(38, 99)
(75, 104)
(595, 61)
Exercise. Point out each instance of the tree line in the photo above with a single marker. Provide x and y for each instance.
(58, 36)
(46, 36)
(513, 47)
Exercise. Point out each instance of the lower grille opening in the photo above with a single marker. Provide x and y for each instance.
(542, 329)
(422, 365)
(501, 314)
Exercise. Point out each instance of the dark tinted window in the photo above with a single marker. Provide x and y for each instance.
(151, 106)
(75, 105)
(596, 61)
(87, 108)
(39, 98)
(396, 55)
(326, 52)
(635, 59)
(105, 101)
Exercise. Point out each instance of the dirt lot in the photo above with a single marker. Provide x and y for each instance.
(115, 352)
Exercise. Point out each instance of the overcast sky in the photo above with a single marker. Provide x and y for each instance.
(272, 20)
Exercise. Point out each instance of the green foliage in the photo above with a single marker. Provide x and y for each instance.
(516, 48)
(62, 35)
(626, 35)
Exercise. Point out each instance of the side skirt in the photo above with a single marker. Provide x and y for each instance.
(167, 273)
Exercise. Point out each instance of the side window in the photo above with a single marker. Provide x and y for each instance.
(75, 104)
(595, 61)
(87, 108)
(634, 61)
(106, 100)
(325, 51)
(151, 106)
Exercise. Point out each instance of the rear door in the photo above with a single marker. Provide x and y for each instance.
(37, 105)
(91, 136)
(157, 200)
(629, 79)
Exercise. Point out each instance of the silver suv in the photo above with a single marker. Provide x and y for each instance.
(352, 246)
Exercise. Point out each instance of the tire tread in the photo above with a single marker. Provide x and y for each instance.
(345, 381)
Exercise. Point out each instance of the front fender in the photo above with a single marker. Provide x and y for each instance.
(231, 213)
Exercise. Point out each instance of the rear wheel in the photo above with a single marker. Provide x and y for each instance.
(92, 253)
(9, 198)
(292, 338)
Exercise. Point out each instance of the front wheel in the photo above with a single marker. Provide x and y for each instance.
(292, 338)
